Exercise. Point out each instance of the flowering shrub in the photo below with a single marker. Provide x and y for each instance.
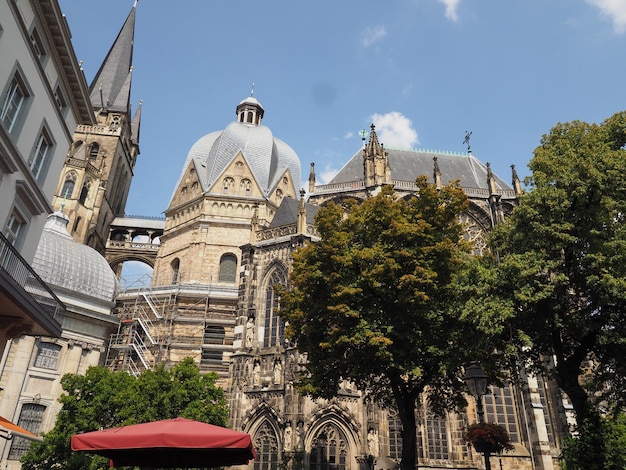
(486, 437)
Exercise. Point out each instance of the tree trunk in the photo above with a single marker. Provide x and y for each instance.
(405, 402)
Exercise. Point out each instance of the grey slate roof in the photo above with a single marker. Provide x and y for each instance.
(63, 263)
(267, 155)
(406, 165)
(287, 213)
(114, 74)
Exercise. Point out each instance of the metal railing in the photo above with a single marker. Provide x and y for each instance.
(24, 277)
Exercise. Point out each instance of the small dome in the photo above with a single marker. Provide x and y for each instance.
(61, 262)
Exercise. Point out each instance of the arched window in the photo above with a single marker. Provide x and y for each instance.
(93, 151)
(329, 449)
(274, 331)
(84, 193)
(68, 185)
(30, 419)
(76, 224)
(228, 268)
(228, 185)
(266, 446)
(395, 435)
(246, 186)
(175, 271)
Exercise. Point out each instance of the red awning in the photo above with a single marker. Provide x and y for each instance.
(171, 443)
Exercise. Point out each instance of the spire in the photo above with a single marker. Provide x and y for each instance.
(491, 180)
(376, 167)
(517, 185)
(301, 228)
(111, 85)
(135, 125)
(312, 178)
(436, 173)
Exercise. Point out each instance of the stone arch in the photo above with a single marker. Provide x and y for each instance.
(115, 261)
(332, 440)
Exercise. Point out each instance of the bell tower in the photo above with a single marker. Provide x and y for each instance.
(95, 181)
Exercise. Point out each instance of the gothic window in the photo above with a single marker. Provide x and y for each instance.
(175, 271)
(329, 450)
(547, 415)
(274, 327)
(76, 224)
(285, 180)
(238, 167)
(228, 268)
(228, 185)
(246, 186)
(474, 234)
(395, 435)
(266, 446)
(500, 409)
(214, 334)
(68, 185)
(30, 419)
(93, 151)
(279, 194)
(84, 193)
(437, 433)
(47, 356)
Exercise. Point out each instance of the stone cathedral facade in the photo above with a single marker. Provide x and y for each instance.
(236, 216)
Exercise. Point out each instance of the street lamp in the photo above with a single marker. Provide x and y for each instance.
(476, 380)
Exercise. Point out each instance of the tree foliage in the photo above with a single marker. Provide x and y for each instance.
(102, 399)
(562, 264)
(377, 302)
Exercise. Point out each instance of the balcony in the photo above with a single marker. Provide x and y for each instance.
(28, 305)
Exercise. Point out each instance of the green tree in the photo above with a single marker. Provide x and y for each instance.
(562, 270)
(377, 302)
(102, 399)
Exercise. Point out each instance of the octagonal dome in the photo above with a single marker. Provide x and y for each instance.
(267, 155)
(70, 266)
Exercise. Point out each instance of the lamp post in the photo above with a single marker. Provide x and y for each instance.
(476, 380)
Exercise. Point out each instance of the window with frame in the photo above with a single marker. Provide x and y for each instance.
(68, 185)
(274, 328)
(214, 334)
(39, 162)
(31, 417)
(38, 47)
(395, 435)
(228, 268)
(211, 356)
(93, 151)
(15, 228)
(266, 446)
(13, 103)
(175, 264)
(329, 449)
(228, 184)
(437, 432)
(84, 193)
(47, 356)
(60, 100)
(500, 409)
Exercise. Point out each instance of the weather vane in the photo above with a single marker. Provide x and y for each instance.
(468, 134)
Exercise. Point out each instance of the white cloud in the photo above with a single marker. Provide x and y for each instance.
(395, 130)
(373, 34)
(615, 10)
(348, 135)
(451, 9)
(327, 174)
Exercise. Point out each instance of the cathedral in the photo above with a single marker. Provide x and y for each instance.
(235, 218)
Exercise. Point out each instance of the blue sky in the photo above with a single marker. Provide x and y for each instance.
(425, 71)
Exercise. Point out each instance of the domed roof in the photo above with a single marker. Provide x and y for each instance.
(62, 262)
(267, 155)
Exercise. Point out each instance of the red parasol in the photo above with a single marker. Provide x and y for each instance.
(171, 443)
